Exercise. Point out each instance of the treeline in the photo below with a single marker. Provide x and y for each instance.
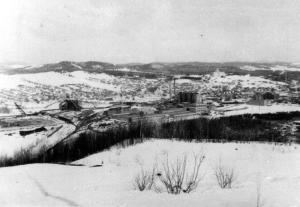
(242, 128)
(276, 116)
(140, 74)
(236, 128)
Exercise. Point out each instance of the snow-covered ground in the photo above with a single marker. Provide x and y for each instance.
(12, 142)
(255, 109)
(272, 170)
(220, 78)
(57, 79)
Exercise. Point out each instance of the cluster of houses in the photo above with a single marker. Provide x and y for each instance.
(196, 98)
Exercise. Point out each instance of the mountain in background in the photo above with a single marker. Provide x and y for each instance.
(272, 70)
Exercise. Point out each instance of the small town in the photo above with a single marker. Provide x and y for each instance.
(160, 100)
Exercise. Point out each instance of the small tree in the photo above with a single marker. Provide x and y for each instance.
(194, 178)
(225, 175)
(145, 179)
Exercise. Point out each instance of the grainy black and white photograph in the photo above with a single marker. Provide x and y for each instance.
(146, 103)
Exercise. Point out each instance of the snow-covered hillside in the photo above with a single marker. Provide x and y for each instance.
(40, 91)
(221, 79)
(58, 79)
(266, 170)
(293, 67)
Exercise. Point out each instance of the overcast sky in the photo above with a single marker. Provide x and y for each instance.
(43, 31)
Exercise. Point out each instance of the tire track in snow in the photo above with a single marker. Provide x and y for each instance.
(47, 194)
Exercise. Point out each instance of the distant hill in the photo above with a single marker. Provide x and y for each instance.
(274, 70)
(64, 66)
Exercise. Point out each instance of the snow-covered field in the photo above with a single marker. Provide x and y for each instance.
(272, 170)
(220, 78)
(12, 142)
(255, 109)
(57, 79)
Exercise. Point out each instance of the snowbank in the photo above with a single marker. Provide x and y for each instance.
(275, 169)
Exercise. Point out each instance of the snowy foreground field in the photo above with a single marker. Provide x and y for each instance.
(270, 172)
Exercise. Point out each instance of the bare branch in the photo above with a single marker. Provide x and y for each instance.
(225, 175)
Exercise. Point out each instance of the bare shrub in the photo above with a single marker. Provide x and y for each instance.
(175, 177)
(145, 179)
(225, 175)
(194, 178)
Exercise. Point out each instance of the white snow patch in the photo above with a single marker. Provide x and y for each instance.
(284, 68)
(76, 66)
(7, 81)
(183, 80)
(123, 69)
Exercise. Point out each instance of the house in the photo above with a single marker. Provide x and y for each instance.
(70, 105)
